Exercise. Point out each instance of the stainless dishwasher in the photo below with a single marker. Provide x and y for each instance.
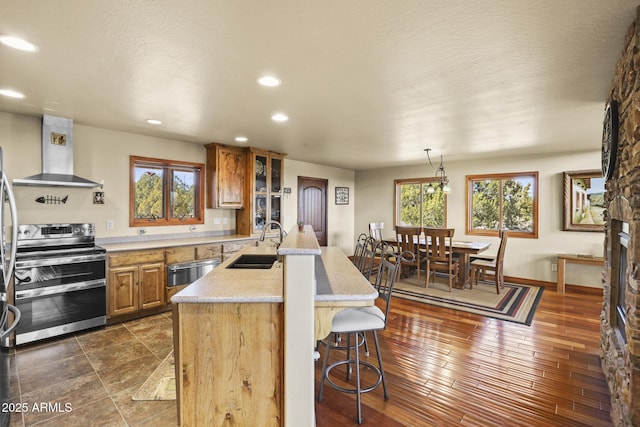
(188, 272)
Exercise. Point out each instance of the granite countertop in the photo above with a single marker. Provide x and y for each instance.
(338, 281)
(224, 284)
(150, 243)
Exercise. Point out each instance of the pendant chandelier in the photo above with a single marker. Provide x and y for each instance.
(441, 176)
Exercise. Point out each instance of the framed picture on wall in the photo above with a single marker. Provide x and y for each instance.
(342, 195)
(584, 200)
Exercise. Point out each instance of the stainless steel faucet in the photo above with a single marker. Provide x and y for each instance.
(267, 226)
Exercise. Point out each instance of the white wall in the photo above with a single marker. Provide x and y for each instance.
(525, 258)
(103, 156)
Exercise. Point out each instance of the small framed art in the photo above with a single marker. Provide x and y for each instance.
(342, 195)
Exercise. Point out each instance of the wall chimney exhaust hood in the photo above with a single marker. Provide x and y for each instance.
(57, 157)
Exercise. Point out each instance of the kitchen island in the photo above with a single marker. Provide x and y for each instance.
(244, 338)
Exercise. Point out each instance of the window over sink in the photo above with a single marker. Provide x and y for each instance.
(165, 192)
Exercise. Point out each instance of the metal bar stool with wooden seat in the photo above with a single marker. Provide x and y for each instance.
(479, 267)
(358, 250)
(355, 322)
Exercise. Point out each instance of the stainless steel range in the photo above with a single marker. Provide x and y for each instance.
(60, 284)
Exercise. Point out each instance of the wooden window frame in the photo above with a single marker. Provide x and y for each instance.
(396, 203)
(501, 176)
(168, 165)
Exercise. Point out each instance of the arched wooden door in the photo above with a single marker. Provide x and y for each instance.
(312, 205)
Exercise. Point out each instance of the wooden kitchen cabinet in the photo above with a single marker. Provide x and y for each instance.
(263, 192)
(136, 282)
(229, 360)
(226, 174)
(208, 251)
(230, 248)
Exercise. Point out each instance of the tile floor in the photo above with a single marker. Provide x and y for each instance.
(88, 378)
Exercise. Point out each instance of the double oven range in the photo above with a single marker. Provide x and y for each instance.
(60, 284)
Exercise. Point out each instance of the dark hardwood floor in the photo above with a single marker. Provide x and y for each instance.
(446, 367)
(443, 368)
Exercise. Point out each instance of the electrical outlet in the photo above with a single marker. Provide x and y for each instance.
(224, 220)
(216, 221)
(554, 267)
(109, 224)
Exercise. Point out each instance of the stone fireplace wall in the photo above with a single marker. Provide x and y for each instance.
(620, 359)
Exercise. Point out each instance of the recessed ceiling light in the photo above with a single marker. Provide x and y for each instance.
(11, 93)
(269, 81)
(154, 122)
(18, 43)
(241, 139)
(279, 117)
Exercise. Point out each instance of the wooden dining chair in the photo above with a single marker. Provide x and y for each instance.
(479, 267)
(408, 239)
(440, 254)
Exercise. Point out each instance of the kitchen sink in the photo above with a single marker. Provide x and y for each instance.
(254, 261)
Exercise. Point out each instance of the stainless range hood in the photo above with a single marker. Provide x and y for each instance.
(57, 157)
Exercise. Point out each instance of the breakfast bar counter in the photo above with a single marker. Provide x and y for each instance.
(244, 338)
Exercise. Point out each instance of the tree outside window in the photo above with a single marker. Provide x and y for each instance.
(503, 201)
(416, 207)
(166, 192)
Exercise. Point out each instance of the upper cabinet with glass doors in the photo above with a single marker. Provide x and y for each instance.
(264, 204)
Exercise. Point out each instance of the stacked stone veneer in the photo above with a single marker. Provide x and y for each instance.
(620, 360)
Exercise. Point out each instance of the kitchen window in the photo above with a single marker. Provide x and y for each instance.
(508, 200)
(165, 192)
(416, 206)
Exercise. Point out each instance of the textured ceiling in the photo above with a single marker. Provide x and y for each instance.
(365, 83)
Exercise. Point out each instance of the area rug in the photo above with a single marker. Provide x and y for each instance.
(515, 303)
(161, 385)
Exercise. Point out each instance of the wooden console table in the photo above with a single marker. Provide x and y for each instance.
(563, 259)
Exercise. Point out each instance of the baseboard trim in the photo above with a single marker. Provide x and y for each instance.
(588, 290)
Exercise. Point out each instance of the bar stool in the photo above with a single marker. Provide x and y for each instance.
(355, 323)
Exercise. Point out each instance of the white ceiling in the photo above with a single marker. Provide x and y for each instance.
(365, 83)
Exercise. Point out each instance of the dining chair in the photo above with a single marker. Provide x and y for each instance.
(440, 254)
(479, 267)
(408, 239)
(356, 322)
(376, 232)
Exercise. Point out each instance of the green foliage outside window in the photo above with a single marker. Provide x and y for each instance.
(418, 208)
(183, 195)
(506, 201)
(166, 192)
(149, 202)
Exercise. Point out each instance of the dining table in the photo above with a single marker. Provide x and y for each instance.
(464, 249)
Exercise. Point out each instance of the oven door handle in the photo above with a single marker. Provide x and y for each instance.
(44, 262)
(53, 290)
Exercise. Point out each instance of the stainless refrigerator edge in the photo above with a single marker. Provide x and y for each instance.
(7, 257)
(7, 265)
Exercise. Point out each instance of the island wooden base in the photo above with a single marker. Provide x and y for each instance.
(228, 360)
